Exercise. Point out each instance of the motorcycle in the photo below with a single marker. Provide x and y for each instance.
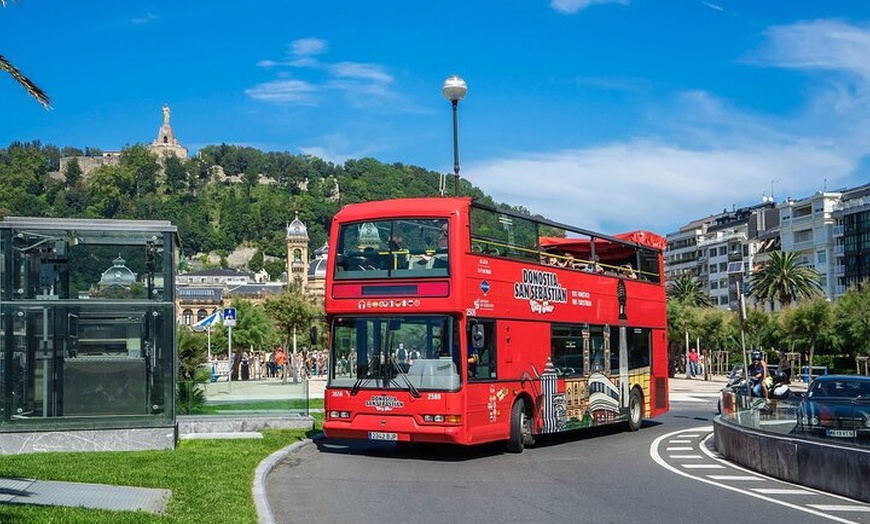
(739, 393)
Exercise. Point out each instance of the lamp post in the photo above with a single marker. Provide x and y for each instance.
(454, 90)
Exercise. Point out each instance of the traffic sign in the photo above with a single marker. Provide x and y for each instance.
(230, 316)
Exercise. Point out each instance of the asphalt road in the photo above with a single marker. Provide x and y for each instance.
(666, 472)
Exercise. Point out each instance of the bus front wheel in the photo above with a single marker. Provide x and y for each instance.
(635, 410)
(521, 428)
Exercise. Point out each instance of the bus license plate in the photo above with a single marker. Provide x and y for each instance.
(849, 433)
(380, 435)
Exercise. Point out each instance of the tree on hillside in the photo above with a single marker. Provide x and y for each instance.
(34, 90)
(687, 290)
(785, 279)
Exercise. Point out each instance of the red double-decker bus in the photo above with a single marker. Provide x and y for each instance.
(456, 322)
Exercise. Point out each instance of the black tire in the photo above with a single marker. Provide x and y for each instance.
(635, 410)
(521, 428)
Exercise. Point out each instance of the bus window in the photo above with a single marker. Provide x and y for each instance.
(485, 368)
(392, 249)
(567, 350)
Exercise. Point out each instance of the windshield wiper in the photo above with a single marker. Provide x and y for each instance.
(361, 380)
(411, 388)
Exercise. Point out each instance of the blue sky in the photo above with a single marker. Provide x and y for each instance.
(607, 114)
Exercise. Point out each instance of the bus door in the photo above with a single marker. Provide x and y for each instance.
(483, 389)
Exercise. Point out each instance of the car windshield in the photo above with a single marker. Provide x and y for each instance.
(395, 352)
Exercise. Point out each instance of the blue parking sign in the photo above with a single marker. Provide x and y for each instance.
(229, 316)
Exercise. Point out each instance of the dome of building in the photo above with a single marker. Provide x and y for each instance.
(318, 264)
(118, 275)
(297, 230)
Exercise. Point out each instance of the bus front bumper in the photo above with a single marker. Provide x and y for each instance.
(398, 428)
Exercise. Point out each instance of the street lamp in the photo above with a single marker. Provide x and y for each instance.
(454, 89)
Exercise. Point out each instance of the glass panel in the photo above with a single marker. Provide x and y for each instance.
(393, 249)
(413, 352)
(87, 328)
(75, 361)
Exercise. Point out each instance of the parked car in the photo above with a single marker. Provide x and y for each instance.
(836, 406)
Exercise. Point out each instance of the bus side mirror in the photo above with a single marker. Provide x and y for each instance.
(477, 338)
(313, 333)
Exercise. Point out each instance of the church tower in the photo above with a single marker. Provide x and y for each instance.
(297, 255)
(166, 144)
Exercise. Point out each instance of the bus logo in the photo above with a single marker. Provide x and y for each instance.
(384, 403)
(484, 286)
(542, 289)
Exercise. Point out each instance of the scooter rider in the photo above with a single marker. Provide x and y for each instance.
(757, 373)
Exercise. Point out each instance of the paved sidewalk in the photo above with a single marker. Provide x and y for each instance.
(75, 494)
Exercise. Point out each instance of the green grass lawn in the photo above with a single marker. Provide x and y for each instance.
(293, 405)
(210, 480)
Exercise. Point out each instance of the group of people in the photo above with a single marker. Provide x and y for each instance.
(278, 364)
(567, 260)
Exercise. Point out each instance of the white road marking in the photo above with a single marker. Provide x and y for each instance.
(735, 477)
(843, 507)
(678, 457)
(680, 448)
(680, 442)
(703, 466)
(654, 454)
(778, 491)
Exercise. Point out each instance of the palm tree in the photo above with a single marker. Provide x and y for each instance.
(785, 279)
(25, 82)
(686, 290)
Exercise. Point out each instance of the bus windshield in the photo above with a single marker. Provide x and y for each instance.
(395, 352)
(392, 249)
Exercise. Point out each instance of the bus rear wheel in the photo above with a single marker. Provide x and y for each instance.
(635, 410)
(521, 428)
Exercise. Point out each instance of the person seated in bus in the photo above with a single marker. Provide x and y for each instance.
(397, 256)
(628, 271)
(473, 360)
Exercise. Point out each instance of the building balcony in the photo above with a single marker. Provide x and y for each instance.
(838, 231)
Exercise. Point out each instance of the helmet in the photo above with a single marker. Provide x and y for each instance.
(755, 355)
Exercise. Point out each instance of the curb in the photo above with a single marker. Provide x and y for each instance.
(264, 512)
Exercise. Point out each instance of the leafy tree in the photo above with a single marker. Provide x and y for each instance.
(176, 175)
(809, 325)
(253, 330)
(785, 279)
(143, 165)
(852, 321)
(192, 350)
(292, 313)
(72, 173)
(687, 290)
(256, 262)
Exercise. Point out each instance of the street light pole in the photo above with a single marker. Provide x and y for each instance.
(454, 90)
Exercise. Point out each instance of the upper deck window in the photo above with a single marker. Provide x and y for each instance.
(400, 248)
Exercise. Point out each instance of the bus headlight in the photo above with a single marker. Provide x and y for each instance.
(442, 419)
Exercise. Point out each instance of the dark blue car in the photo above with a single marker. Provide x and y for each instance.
(836, 406)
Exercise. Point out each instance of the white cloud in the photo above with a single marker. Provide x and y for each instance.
(284, 91)
(308, 46)
(363, 85)
(700, 154)
(570, 7)
(651, 185)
